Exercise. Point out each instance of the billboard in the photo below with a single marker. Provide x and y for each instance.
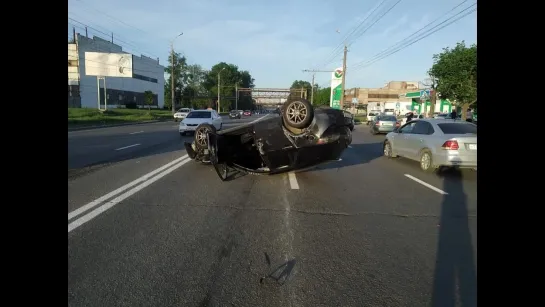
(336, 88)
(108, 64)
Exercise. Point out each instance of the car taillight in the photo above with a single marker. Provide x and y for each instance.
(450, 145)
(377, 124)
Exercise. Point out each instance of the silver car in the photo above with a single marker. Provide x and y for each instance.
(435, 143)
(383, 124)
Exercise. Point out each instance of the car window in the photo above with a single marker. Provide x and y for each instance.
(422, 127)
(408, 128)
(371, 114)
(458, 128)
(199, 114)
(388, 118)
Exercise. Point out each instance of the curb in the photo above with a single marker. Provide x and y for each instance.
(113, 125)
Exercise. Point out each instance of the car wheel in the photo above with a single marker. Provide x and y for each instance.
(201, 141)
(298, 114)
(426, 161)
(348, 133)
(175, 120)
(388, 150)
(182, 133)
(221, 126)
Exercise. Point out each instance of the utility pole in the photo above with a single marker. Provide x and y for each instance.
(219, 91)
(344, 76)
(219, 79)
(172, 77)
(312, 89)
(172, 72)
(236, 96)
(313, 76)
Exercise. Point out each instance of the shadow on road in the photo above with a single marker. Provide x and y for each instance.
(455, 280)
(357, 154)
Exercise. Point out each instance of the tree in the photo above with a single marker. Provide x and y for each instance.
(148, 99)
(229, 77)
(299, 84)
(181, 78)
(322, 96)
(456, 73)
(431, 82)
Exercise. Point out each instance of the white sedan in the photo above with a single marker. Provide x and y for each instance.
(181, 114)
(197, 117)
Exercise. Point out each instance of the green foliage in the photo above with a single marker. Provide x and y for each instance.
(455, 71)
(322, 96)
(148, 99)
(229, 76)
(299, 84)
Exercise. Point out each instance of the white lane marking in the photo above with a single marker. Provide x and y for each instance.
(136, 132)
(427, 185)
(101, 199)
(91, 215)
(349, 146)
(293, 181)
(128, 146)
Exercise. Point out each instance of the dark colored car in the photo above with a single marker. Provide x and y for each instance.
(301, 137)
(234, 114)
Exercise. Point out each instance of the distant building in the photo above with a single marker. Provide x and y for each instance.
(148, 75)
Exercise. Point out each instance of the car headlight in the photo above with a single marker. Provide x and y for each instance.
(182, 124)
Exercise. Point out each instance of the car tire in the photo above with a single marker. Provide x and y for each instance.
(175, 120)
(297, 114)
(426, 161)
(351, 127)
(182, 133)
(387, 150)
(201, 141)
(221, 126)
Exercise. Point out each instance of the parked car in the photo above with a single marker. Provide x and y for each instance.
(435, 143)
(198, 117)
(181, 113)
(301, 137)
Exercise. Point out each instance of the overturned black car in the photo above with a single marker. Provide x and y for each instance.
(301, 137)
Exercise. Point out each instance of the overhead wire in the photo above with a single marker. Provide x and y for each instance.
(336, 51)
(413, 38)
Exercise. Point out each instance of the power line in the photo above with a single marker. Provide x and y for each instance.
(111, 17)
(107, 34)
(381, 16)
(408, 41)
(338, 48)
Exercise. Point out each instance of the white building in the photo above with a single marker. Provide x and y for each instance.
(147, 75)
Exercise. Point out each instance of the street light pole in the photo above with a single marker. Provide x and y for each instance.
(219, 79)
(172, 72)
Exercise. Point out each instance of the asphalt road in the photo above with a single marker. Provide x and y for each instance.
(363, 231)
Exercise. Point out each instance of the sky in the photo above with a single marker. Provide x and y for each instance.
(276, 40)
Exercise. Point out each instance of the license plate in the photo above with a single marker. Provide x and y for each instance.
(472, 146)
(387, 124)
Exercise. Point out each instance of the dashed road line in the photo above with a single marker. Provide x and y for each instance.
(136, 132)
(427, 185)
(293, 181)
(133, 145)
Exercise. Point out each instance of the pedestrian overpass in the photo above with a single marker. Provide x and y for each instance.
(273, 97)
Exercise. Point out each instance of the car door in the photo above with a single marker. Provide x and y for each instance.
(216, 120)
(402, 139)
(417, 139)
